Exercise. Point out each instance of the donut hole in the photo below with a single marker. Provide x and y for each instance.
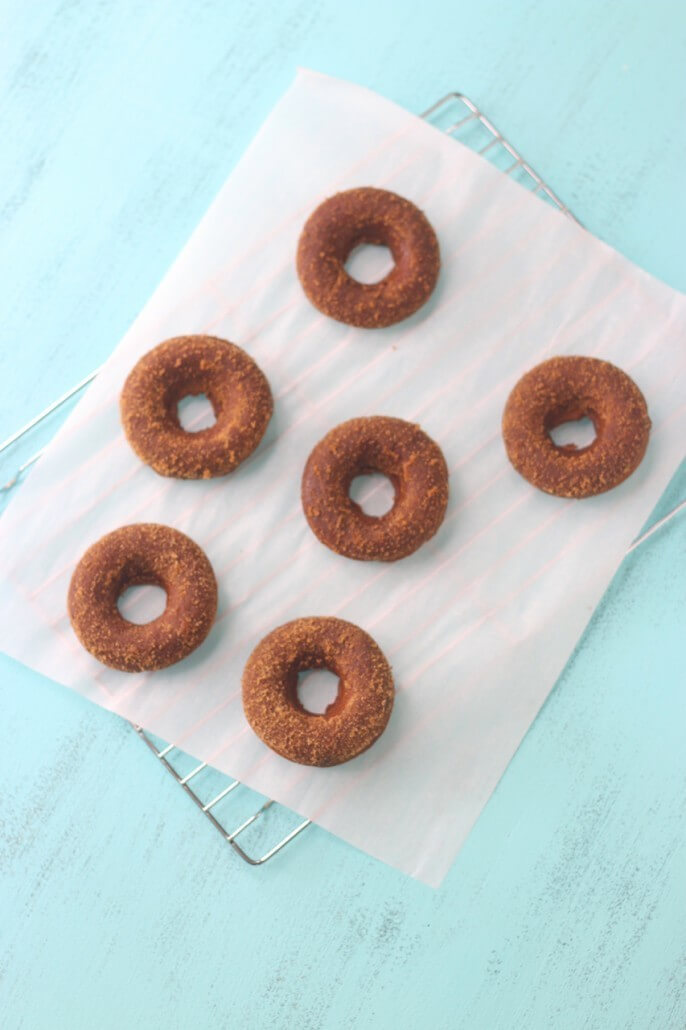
(373, 492)
(369, 263)
(572, 429)
(317, 690)
(196, 412)
(142, 603)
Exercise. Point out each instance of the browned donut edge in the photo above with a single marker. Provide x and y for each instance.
(404, 453)
(136, 554)
(184, 365)
(564, 389)
(368, 215)
(351, 724)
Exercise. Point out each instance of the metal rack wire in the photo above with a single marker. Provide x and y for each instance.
(457, 116)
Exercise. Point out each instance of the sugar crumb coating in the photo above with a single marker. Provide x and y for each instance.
(403, 453)
(368, 215)
(133, 555)
(564, 389)
(185, 366)
(351, 724)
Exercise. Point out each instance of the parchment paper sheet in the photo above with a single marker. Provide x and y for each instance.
(477, 624)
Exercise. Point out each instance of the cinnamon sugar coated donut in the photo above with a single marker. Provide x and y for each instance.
(133, 555)
(187, 365)
(403, 453)
(368, 215)
(565, 389)
(356, 718)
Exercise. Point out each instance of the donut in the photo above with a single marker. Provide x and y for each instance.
(403, 453)
(236, 388)
(356, 718)
(564, 389)
(142, 553)
(368, 215)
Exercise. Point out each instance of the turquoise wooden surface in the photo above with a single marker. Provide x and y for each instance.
(120, 906)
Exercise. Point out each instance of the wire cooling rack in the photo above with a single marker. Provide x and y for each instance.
(457, 116)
